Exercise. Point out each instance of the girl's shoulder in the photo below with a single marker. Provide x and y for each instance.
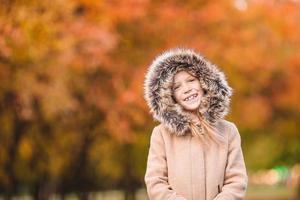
(162, 130)
(160, 134)
(224, 124)
(229, 128)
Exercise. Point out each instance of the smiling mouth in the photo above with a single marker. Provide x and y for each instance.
(189, 98)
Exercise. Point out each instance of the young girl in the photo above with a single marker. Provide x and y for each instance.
(194, 154)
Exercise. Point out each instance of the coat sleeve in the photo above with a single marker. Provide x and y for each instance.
(156, 176)
(235, 179)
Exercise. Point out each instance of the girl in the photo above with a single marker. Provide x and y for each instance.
(194, 153)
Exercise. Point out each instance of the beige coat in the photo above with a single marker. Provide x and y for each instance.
(182, 167)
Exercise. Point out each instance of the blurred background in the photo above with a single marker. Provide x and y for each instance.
(73, 121)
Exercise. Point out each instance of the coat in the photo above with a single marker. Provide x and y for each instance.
(181, 166)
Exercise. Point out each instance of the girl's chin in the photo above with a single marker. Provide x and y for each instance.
(191, 107)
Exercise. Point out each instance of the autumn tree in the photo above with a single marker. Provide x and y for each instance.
(71, 85)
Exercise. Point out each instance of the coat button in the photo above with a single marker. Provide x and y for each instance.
(199, 128)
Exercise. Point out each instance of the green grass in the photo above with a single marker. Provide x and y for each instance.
(270, 193)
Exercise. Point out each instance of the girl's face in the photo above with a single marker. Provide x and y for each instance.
(187, 90)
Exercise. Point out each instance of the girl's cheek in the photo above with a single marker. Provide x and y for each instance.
(177, 93)
(176, 96)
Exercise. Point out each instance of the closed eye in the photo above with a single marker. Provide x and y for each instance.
(175, 88)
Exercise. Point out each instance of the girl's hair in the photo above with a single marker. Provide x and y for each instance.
(212, 132)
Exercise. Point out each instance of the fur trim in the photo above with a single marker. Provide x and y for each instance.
(158, 89)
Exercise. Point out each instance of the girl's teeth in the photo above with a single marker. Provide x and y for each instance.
(190, 98)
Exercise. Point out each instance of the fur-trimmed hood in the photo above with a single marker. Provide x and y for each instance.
(158, 89)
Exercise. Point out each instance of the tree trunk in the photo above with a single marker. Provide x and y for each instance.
(298, 190)
(129, 195)
(83, 195)
(62, 196)
(8, 196)
(9, 166)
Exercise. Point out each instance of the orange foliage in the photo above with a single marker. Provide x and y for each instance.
(74, 71)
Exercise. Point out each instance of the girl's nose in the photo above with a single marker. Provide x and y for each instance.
(186, 89)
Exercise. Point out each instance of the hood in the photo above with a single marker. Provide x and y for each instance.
(158, 82)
